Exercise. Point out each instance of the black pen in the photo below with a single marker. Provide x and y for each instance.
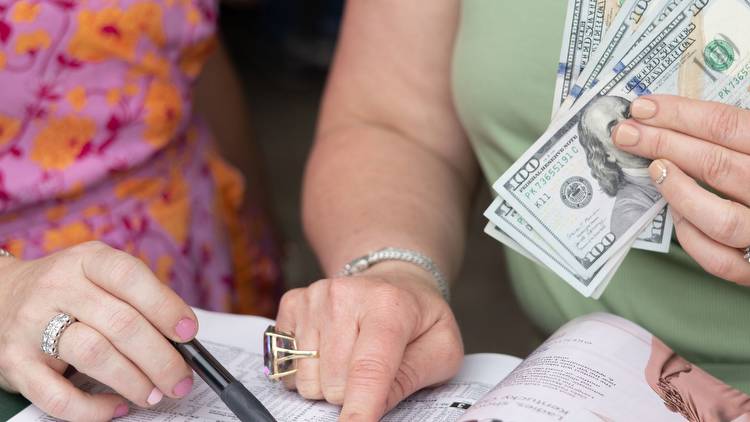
(237, 398)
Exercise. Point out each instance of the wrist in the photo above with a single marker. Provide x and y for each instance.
(404, 275)
(412, 258)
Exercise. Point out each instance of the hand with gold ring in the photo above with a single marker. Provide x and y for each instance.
(381, 336)
(101, 311)
(697, 141)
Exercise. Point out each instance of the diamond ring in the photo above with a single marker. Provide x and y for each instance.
(747, 254)
(53, 332)
(280, 352)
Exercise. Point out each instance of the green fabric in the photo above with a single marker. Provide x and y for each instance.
(10, 404)
(504, 68)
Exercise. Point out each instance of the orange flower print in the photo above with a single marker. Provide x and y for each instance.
(139, 188)
(164, 268)
(15, 246)
(153, 64)
(163, 106)
(147, 18)
(3, 60)
(103, 34)
(9, 128)
(172, 209)
(59, 143)
(33, 42)
(25, 11)
(194, 56)
(77, 98)
(66, 236)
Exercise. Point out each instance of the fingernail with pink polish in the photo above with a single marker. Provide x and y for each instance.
(121, 411)
(155, 397)
(183, 387)
(186, 329)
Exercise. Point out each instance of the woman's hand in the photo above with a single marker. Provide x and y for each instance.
(708, 142)
(381, 337)
(123, 314)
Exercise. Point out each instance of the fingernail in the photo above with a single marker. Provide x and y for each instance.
(658, 171)
(186, 329)
(643, 108)
(627, 135)
(121, 411)
(154, 397)
(183, 387)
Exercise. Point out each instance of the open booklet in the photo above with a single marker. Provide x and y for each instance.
(596, 368)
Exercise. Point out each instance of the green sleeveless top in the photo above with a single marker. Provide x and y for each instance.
(503, 77)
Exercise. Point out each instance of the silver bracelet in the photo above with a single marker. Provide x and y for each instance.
(360, 264)
(5, 254)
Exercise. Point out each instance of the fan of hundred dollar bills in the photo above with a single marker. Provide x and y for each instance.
(574, 202)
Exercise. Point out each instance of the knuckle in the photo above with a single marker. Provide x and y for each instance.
(126, 267)
(366, 371)
(716, 166)
(291, 299)
(333, 393)
(340, 290)
(407, 380)
(660, 143)
(172, 367)
(308, 386)
(729, 223)
(89, 247)
(57, 404)
(719, 266)
(92, 350)
(123, 322)
(724, 123)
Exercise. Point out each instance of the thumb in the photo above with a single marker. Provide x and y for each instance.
(433, 358)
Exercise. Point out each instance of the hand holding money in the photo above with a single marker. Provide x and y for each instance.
(705, 141)
(577, 200)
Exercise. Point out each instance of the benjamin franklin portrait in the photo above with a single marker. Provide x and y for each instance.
(619, 174)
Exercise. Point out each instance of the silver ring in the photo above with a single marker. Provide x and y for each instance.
(747, 254)
(53, 332)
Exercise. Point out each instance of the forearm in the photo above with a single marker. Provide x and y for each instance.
(369, 187)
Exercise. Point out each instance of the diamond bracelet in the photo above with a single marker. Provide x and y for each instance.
(360, 264)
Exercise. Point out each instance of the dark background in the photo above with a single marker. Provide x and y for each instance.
(281, 50)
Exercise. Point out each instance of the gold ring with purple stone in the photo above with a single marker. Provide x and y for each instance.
(280, 352)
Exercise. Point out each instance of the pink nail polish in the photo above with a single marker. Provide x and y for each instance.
(154, 397)
(183, 387)
(121, 410)
(186, 329)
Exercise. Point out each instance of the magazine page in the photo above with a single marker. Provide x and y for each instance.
(236, 341)
(602, 367)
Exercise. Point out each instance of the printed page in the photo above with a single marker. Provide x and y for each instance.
(604, 368)
(236, 341)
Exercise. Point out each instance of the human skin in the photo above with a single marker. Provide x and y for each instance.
(698, 141)
(124, 313)
(391, 166)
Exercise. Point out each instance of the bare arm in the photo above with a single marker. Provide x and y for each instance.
(391, 165)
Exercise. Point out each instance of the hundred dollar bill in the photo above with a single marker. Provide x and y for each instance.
(586, 22)
(599, 15)
(584, 196)
(568, 51)
(619, 34)
(506, 224)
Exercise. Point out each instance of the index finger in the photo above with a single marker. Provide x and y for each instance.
(130, 280)
(719, 123)
(376, 357)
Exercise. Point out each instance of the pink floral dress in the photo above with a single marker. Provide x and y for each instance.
(98, 141)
